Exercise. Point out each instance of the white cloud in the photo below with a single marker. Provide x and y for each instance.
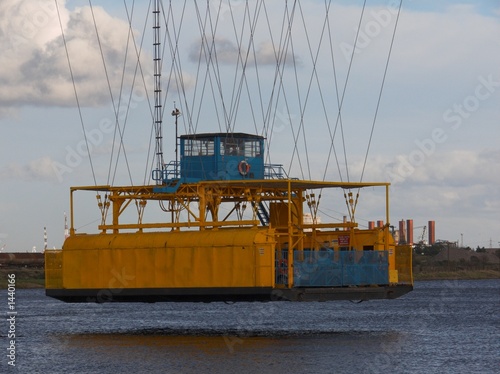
(225, 51)
(41, 169)
(26, 23)
(454, 168)
(34, 66)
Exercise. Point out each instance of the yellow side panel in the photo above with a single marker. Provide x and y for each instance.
(393, 276)
(278, 214)
(163, 266)
(264, 264)
(264, 259)
(53, 269)
(404, 263)
(231, 258)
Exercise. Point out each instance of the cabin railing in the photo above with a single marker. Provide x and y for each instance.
(274, 171)
(172, 171)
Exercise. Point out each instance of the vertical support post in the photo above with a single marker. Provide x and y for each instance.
(448, 256)
(117, 203)
(71, 213)
(387, 221)
(290, 237)
(202, 206)
(176, 113)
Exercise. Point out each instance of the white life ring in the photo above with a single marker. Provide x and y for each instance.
(243, 167)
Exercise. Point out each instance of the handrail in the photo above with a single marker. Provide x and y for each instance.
(169, 171)
(274, 171)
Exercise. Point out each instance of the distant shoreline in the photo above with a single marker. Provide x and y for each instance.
(34, 277)
(26, 277)
(460, 274)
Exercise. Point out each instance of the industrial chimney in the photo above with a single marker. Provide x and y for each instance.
(432, 232)
(409, 230)
(402, 232)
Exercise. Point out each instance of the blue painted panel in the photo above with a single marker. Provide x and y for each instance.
(340, 268)
(200, 167)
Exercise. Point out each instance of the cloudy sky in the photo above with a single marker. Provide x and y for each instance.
(436, 136)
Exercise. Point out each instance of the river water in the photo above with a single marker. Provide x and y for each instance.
(440, 327)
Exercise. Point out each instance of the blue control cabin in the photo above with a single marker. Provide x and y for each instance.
(221, 156)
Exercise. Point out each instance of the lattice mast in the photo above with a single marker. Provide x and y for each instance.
(157, 89)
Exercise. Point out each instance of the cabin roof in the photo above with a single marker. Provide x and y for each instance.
(225, 135)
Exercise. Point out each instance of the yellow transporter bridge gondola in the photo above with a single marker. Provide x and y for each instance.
(201, 252)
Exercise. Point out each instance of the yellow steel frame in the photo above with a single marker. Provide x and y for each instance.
(209, 195)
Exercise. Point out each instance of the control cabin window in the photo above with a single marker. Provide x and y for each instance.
(199, 147)
(240, 147)
(252, 148)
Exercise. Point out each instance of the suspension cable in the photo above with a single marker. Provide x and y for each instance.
(76, 94)
(336, 85)
(117, 124)
(176, 67)
(345, 87)
(269, 116)
(138, 67)
(381, 89)
(209, 52)
(122, 133)
(295, 136)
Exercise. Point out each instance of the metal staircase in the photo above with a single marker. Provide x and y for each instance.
(262, 213)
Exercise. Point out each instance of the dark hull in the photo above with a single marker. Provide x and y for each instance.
(151, 295)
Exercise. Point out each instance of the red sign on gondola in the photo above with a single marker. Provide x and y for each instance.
(344, 240)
